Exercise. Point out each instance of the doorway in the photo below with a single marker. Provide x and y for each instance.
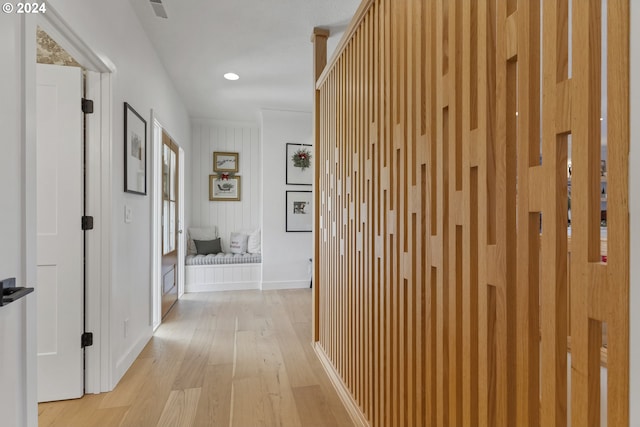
(169, 224)
(168, 245)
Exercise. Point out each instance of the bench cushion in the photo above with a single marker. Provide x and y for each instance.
(223, 258)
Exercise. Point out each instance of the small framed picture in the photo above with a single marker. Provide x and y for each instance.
(225, 162)
(299, 164)
(224, 187)
(299, 212)
(135, 151)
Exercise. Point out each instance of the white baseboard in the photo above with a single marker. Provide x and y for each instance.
(292, 284)
(358, 418)
(125, 362)
(217, 287)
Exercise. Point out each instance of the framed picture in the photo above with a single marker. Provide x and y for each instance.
(299, 211)
(299, 164)
(135, 151)
(225, 162)
(224, 187)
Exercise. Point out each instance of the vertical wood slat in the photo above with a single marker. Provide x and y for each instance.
(618, 211)
(527, 296)
(441, 270)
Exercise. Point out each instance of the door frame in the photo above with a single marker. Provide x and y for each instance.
(98, 369)
(155, 292)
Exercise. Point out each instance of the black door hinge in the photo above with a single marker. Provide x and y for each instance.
(87, 223)
(87, 339)
(87, 106)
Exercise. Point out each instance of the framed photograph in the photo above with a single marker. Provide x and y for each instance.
(224, 187)
(135, 152)
(225, 162)
(299, 164)
(299, 213)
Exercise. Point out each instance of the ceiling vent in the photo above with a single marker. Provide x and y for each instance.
(158, 8)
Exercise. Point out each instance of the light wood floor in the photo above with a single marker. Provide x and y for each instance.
(220, 359)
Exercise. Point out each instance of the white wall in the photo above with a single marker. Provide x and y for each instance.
(285, 259)
(634, 211)
(112, 30)
(12, 159)
(17, 321)
(242, 138)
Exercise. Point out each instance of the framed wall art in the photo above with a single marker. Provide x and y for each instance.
(224, 187)
(225, 162)
(299, 164)
(299, 215)
(135, 152)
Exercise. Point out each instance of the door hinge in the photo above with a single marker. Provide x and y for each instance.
(87, 106)
(87, 222)
(87, 339)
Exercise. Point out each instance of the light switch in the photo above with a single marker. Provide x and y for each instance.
(128, 215)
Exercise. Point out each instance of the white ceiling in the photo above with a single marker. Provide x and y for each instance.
(266, 42)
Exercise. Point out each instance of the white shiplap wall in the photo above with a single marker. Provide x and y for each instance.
(243, 138)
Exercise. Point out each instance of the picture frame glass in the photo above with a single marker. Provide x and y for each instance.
(299, 164)
(225, 162)
(299, 211)
(135, 152)
(223, 187)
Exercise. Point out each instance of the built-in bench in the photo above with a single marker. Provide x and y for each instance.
(222, 271)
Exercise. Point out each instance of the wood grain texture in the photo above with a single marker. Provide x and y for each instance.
(448, 288)
(219, 359)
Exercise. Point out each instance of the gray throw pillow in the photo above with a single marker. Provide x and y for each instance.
(206, 247)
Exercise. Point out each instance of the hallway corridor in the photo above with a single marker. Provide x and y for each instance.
(219, 359)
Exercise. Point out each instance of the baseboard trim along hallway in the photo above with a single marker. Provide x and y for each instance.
(350, 404)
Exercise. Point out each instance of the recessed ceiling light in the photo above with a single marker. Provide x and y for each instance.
(231, 76)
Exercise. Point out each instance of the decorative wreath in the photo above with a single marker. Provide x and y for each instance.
(302, 159)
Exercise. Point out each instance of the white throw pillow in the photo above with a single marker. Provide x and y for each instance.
(200, 233)
(238, 243)
(254, 243)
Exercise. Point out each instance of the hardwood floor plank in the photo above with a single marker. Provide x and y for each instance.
(195, 360)
(246, 355)
(276, 380)
(292, 352)
(221, 349)
(247, 404)
(69, 412)
(104, 417)
(214, 408)
(155, 391)
(313, 408)
(249, 354)
(129, 387)
(297, 305)
(180, 410)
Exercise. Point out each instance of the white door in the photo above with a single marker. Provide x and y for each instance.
(59, 287)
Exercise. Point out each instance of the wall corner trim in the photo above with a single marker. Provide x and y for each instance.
(358, 418)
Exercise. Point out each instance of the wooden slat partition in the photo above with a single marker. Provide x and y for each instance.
(442, 259)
